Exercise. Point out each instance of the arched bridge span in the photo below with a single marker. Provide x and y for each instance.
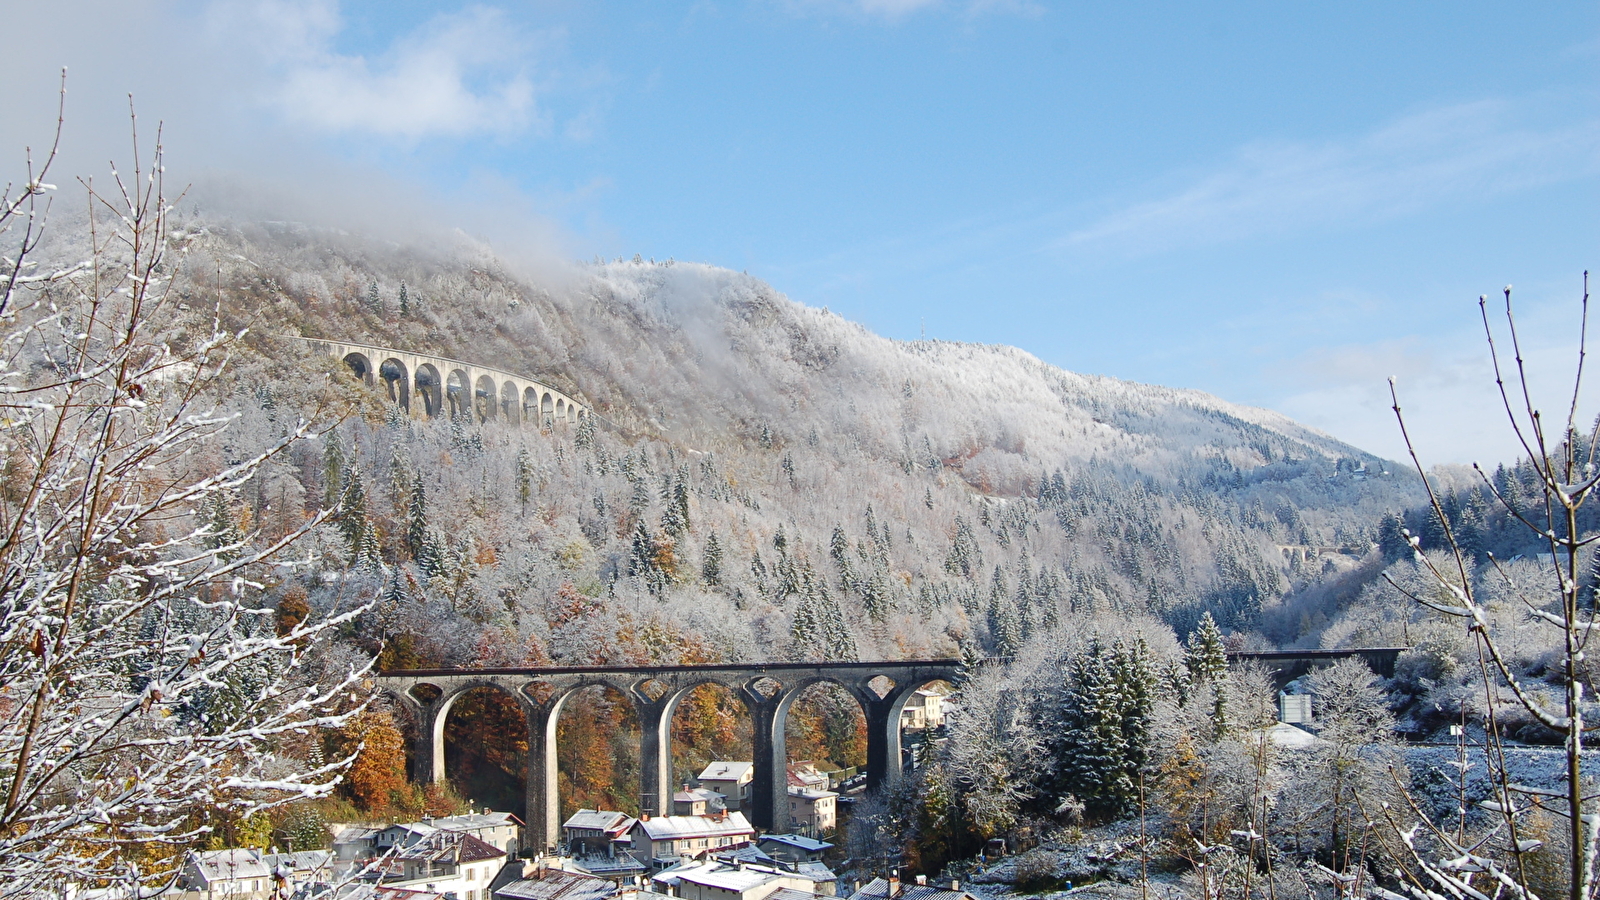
(430, 387)
(767, 690)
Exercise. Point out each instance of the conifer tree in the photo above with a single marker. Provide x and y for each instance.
(711, 562)
(374, 299)
(405, 301)
(352, 517)
(417, 520)
(524, 477)
(332, 470)
(1206, 655)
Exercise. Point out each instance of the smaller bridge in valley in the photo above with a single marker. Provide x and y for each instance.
(766, 689)
(1287, 665)
(431, 387)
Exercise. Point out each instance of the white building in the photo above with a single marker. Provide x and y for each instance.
(712, 879)
(663, 839)
(446, 862)
(812, 812)
(731, 780)
(924, 709)
(234, 874)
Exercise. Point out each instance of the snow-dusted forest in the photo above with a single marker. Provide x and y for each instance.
(760, 480)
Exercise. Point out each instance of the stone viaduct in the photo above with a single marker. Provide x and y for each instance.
(767, 690)
(431, 387)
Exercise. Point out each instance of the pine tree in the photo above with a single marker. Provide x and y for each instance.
(711, 562)
(583, 437)
(1206, 655)
(332, 470)
(374, 299)
(524, 477)
(221, 526)
(875, 599)
(1103, 743)
(417, 521)
(405, 301)
(352, 518)
(1005, 631)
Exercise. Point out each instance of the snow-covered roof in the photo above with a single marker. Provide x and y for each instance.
(736, 879)
(797, 841)
(599, 820)
(558, 885)
(790, 894)
(476, 821)
(349, 834)
(450, 846)
(1286, 735)
(221, 865)
(809, 793)
(721, 770)
(673, 828)
(879, 887)
(705, 794)
(298, 861)
(816, 871)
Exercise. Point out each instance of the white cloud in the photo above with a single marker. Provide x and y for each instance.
(1446, 387)
(1474, 149)
(458, 75)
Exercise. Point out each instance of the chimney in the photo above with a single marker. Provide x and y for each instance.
(922, 880)
(955, 885)
(894, 884)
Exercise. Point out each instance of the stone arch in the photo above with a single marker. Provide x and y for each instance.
(397, 382)
(674, 703)
(510, 408)
(561, 409)
(361, 366)
(591, 715)
(530, 404)
(429, 389)
(484, 398)
(547, 408)
(443, 749)
(458, 392)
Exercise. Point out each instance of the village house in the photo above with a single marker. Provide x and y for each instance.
(892, 888)
(246, 874)
(717, 879)
(447, 862)
(924, 709)
(793, 848)
(693, 801)
(812, 812)
(555, 884)
(661, 840)
(232, 874)
(731, 780)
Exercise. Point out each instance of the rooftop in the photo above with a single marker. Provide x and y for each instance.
(879, 887)
(720, 770)
(216, 865)
(672, 828)
(797, 841)
(599, 820)
(558, 885)
(450, 847)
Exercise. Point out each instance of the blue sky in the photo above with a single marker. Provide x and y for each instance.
(1278, 203)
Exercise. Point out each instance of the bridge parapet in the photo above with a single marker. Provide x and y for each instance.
(766, 689)
(429, 386)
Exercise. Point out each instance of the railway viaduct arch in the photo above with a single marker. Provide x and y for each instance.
(767, 690)
(430, 387)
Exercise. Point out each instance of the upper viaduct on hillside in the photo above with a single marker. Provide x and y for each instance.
(450, 387)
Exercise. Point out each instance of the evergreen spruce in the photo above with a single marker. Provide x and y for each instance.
(332, 470)
(405, 301)
(524, 477)
(417, 521)
(711, 562)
